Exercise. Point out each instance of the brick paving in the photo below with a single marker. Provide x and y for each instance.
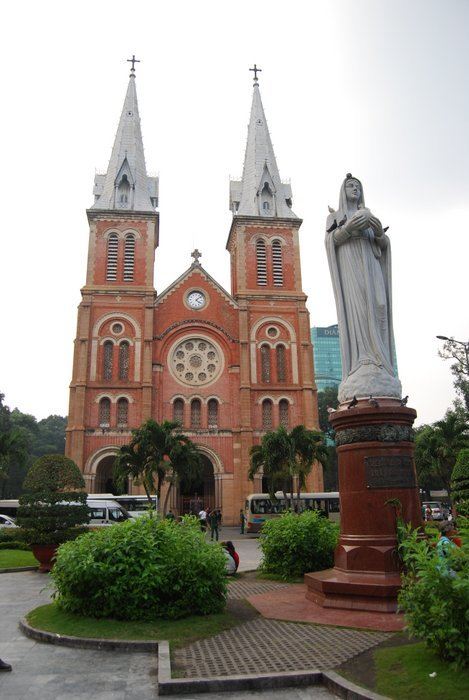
(265, 646)
(238, 589)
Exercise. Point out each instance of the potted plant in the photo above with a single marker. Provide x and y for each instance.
(52, 507)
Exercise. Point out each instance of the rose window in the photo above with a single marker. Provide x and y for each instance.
(196, 361)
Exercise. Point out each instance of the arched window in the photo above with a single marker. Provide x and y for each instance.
(104, 413)
(112, 249)
(196, 411)
(108, 351)
(265, 363)
(124, 354)
(277, 266)
(178, 411)
(281, 363)
(123, 195)
(129, 257)
(283, 413)
(261, 262)
(212, 407)
(267, 414)
(122, 413)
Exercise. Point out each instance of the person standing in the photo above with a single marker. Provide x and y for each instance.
(213, 522)
(242, 521)
(203, 519)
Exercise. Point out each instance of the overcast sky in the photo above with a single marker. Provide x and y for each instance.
(376, 88)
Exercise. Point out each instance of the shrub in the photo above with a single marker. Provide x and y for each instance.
(294, 544)
(7, 534)
(15, 544)
(460, 483)
(435, 598)
(53, 503)
(141, 570)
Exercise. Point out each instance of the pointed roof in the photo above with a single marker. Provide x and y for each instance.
(196, 268)
(127, 165)
(260, 171)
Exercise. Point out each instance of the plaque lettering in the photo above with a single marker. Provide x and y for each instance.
(390, 472)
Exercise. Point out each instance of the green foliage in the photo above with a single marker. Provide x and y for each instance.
(460, 483)
(54, 503)
(435, 597)
(294, 544)
(327, 398)
(15, 544)
(437, 447)
(282, 455)
(141, 569)
(157, 451)
(458, 352)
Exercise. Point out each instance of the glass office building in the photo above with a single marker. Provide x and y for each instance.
(326, 351)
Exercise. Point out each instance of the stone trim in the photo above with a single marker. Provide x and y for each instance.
(386, 432)
(196, 321)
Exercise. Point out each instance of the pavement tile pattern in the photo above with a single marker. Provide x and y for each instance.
(266, 646)
(243, 589)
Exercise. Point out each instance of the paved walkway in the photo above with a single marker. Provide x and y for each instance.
(247, 547)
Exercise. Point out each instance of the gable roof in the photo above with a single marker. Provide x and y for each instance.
(196, 268)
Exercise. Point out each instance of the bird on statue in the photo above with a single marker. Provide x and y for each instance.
(353, 402)
(373, 402)
(404, 401)
(330, 409)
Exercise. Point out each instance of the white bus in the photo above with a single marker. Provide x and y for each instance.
(135, 505)
(260, 507)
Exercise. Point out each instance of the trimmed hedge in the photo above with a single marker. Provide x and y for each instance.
(141, 570)
(294, 544)
(460, 483)
(14, 544)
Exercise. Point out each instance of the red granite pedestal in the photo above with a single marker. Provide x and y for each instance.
(376, 464)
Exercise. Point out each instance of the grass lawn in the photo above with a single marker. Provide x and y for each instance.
(179, 632)
(402, 673)
(276, 577)
(12, 558)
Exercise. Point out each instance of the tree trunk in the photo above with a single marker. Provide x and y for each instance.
(166, 500)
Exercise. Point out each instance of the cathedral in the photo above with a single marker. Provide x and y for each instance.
(228, 366)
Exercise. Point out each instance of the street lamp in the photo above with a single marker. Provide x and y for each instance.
(458, 342)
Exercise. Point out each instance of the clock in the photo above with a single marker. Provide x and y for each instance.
(196, 300)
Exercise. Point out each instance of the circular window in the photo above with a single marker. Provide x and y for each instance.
(272, 332)
(195, 361)
(117, 328)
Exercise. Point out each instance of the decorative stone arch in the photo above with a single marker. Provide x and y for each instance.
(108, 339)
(132, 231)
(112, 231)
(258, 237)
(285, 398)
(129, 398)
(176, 397)
(278, 238)
(94, 461)
(96, 341)
(254, 343)
(213, 457)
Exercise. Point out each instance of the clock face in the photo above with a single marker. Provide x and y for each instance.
(196, 300)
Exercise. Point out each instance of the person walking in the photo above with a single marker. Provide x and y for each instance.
(242, 521)
(213, 520)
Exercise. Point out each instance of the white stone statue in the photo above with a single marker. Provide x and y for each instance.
(359, 255)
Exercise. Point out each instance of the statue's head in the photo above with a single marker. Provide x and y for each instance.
(353, 188)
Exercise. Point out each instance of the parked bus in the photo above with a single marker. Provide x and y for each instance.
(260, 507)
(135, 505)
(104, 510)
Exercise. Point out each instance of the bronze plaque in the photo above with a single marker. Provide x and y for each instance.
(389, 473)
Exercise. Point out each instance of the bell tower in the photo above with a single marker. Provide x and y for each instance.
(111, 392)
(276, 366)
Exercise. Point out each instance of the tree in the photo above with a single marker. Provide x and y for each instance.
(437, 447)
(460, 483)
(285, 455)
(327, 398)
(13, 449)
(157, 451)
(458, 351)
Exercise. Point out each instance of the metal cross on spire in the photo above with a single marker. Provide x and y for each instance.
(133, 61)
(256, 70)
(196, 254)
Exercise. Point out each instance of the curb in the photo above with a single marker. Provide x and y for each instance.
(86, 642)
(19, 568)
(299, 679)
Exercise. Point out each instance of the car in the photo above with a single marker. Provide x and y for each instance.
(438, 512)
(6, 521)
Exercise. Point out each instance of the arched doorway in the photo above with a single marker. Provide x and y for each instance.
(104, 481)
(197, 493)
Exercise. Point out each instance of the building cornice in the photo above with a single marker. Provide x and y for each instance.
(262, 222)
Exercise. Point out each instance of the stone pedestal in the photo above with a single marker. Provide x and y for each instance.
(375, 455)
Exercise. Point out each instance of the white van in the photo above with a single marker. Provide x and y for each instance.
(105, 512)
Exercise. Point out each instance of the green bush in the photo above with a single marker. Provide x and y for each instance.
(7, 534)
(54, 502)
(435, 597)
(15, 544)
(295, 544)
(460, 483)
(141, 570)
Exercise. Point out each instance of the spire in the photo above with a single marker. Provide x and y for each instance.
(260, 191)
(126, 185)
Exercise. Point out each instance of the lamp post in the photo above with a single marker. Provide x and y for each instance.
(458, 342)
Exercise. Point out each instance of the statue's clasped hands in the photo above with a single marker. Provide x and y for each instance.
(363, 220)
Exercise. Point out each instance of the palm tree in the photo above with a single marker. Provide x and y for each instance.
(156, 451)
(285, 455)
(437, 447)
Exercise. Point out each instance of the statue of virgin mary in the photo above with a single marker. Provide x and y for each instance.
(359, 255)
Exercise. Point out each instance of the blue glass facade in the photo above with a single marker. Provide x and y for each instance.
(326, 350)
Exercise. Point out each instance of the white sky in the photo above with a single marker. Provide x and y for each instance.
(370, 87)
